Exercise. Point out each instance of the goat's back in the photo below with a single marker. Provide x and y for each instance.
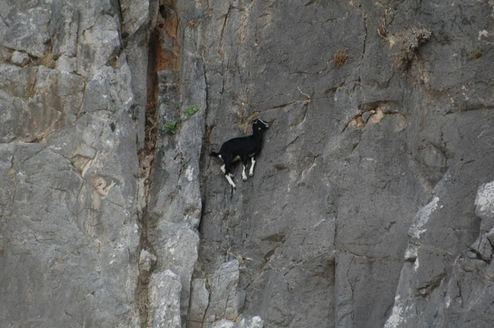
(241, 146)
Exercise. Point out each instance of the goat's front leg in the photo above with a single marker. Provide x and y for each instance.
(244, 176)
(245, 162)
(230, 180)
(253, 163)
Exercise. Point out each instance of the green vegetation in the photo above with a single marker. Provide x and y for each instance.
(170, 127)
(191, 111)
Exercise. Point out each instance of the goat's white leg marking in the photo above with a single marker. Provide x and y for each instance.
(222, 168)
(244, 176)
(251, 170)
(230, 181)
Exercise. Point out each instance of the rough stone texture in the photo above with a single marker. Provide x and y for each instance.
(370, 206)
(19, 58)
(68, 214)
(224, 301)
(199, 301)
(26, 27)
(357, 146)
(459, 288)
(164, 300)
(255, 322)
(146, 261)
(174, 208)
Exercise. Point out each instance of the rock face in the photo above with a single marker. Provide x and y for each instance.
(69, 233)
(371, 204)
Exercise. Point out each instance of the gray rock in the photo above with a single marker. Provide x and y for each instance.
(63, 247)
(137, 57)
(223, 324)
(224, 299)
(177, 252)
(484, 204)
(354, 151)
(108, 90)
(19, 58)
(69, 237)
(370, 204)
(175, 203)
(199, 301)
(254, 322)
(99, 40)
(164, 300)
(135, 15)
(24, 26)
(146, 261)
(64, 27)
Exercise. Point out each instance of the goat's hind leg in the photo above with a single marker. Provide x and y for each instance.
(253, 163)
(228, 175)
(222, 167)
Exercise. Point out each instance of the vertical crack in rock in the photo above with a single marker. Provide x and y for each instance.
(122, 35)
(364, 42)
(146, 158)
(163, 55)
(222, 34)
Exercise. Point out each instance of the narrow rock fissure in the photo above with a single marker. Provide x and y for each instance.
(146, 159)
(163, 54)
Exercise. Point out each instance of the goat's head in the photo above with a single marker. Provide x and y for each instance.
(259, 126)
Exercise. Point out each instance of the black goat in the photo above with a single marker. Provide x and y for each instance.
(243, 148)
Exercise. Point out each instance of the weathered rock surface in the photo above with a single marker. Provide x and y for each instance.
(378, 109)
(371, 204)
(164, 300)
(255, 322)
(69, 234)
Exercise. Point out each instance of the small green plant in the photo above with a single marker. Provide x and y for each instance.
(112, 126)
(170, 127)
(191, 111)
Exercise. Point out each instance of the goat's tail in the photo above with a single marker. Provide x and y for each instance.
(215, 154)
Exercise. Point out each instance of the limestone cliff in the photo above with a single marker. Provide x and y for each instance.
(372, 202)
